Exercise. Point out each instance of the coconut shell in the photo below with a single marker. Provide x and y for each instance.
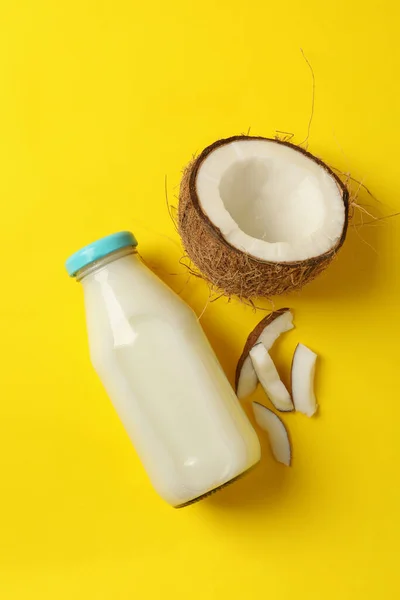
(230, 270)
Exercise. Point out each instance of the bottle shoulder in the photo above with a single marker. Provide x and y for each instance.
(117, 298)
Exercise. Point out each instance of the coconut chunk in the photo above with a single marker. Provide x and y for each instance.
(248, 380)
(303, 371)
(267, 332)
(277, 433)
(269, 378)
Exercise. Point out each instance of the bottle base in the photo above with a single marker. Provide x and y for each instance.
(218, 488)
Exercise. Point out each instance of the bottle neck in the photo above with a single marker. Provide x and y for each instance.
(102, 262)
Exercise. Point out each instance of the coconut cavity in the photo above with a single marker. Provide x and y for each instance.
(260, 217)
(268, 204)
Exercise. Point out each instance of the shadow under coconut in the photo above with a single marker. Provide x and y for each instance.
(355, 270)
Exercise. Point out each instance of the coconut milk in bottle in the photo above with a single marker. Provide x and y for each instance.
(161, 374)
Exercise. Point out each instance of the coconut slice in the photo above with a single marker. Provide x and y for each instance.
(303, 370)
(266, 331)
(277, 434)
(260, 217)
(269, 378)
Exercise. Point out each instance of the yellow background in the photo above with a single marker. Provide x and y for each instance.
(99, 101)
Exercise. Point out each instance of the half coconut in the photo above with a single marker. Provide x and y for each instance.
(260, 217)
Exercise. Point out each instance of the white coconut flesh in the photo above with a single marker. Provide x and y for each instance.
(271, 201)
(248, 380)
(269, 378)
(303, 371)
(276, 430)
(248, 377)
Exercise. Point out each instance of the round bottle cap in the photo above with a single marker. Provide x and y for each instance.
(98, 250)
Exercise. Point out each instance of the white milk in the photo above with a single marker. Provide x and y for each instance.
(164, 380)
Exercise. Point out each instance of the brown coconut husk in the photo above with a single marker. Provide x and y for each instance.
(227, 268)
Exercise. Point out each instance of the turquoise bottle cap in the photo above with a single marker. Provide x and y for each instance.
(98, 250)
